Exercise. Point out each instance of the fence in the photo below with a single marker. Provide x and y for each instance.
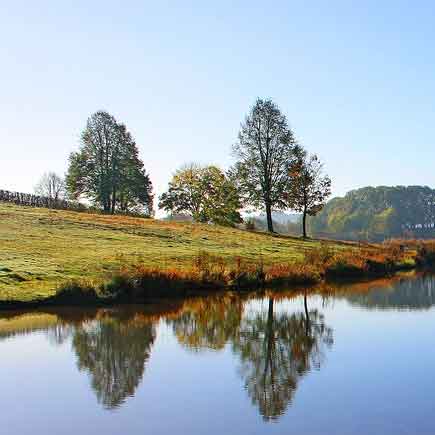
(31, 200)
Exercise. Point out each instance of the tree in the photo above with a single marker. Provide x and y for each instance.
(275, 351)
(409, 294)
(209, 323)
(203, 192)
(379, 213)
(135, 187)
(51, 186)
(114, 352)
(107, 169)
(309, 188)
(265, 152)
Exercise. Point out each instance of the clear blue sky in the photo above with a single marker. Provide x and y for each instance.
(356, 80)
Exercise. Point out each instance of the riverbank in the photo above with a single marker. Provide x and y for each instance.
(58, 257)
(212, 274)
(13, 322)
(42, 250)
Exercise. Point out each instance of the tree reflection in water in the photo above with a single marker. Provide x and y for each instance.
(208, 322)
(275, 350)
(410, 293)
(114, 353)
(273, 347)
(113, 345)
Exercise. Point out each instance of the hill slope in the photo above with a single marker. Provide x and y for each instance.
(41, 248)
(377, 213)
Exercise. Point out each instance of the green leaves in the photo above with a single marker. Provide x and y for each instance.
(265, 151)
(205, 193)
(376, 213)
(309, 188)
(107, 170)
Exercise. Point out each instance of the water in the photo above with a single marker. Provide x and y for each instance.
(358, 359)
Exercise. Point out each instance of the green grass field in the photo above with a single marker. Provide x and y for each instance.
(40, 249)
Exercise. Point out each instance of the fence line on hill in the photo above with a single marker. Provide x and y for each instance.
(31, 200)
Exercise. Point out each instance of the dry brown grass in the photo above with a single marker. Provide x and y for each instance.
(365, 261)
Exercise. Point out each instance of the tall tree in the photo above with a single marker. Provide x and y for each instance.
(203, 192)
(275, 351)
(107, 169)
(309, 187)
(51, 186)
(114, 352)
(134, 193)
(265, 152)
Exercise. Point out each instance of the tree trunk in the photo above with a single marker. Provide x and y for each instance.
(304, 224)
(269, 337)
(113, 202)
(269, 217)
(307, 316)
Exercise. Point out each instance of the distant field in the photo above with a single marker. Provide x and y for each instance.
(41, 248)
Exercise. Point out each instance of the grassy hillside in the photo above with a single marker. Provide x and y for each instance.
(41, 249)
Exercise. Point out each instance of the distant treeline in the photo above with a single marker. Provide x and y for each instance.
(378, 213)
(31, 200)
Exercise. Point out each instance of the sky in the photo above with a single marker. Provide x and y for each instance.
(355, 79)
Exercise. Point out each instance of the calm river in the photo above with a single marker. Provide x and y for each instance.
(358, 359)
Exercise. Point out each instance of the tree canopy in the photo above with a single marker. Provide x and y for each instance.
(51, 186)
(274, 350)
(309, 188)
(209, 323)
(107, 169)
(203, 192)
(265, 152)
(377, 213)
(114, 352)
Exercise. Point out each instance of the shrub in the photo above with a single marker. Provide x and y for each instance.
(119, 287)
(139, 283)
(341, 268)
(320, 257)
(425, 254)
(209, 268)
(292, 273)
(75, 293)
